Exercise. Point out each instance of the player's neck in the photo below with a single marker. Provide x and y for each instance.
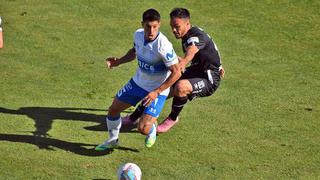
(146, 40)
(187, 30)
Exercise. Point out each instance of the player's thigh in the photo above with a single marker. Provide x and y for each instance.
(117, 107)
(129, 95)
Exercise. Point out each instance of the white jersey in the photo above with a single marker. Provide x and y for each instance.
(154, 58)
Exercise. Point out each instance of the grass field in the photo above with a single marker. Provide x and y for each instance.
(262, 123)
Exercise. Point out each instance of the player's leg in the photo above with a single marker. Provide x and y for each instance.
(132, 118)
(181, 90)
(148, 122)
(125, 98)
(187, 89)
(148, 126)
(113, 121)
(145, 123)
(180, 98)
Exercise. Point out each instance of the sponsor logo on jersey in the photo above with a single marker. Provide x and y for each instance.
(152, 68)
(145, 66)
(170, 56)
(193, 40)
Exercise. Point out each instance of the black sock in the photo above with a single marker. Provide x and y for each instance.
(137, 113)
(177, 105)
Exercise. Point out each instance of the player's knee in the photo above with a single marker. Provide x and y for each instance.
(181, 89)
(144, 131)
(144, 127)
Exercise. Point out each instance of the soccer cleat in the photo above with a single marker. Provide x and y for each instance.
(151, 137)
(108, 145)
(166, 125)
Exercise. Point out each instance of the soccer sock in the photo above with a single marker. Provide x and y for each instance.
(177, 106)
(137, 112)
(114, 125)
(152, 131)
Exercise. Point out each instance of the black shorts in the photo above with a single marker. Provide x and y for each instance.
(203, 84)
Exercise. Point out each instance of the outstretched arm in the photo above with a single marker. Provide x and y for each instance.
(113, 61)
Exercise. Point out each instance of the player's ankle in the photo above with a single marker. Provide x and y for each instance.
(173, 117)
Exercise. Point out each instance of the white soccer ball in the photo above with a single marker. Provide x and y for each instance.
(129, 171)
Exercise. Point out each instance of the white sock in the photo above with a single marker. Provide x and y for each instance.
(153, 131)
(114, 126)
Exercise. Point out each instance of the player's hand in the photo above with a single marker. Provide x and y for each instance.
(112, 62)
(149, 98)
(221, 71)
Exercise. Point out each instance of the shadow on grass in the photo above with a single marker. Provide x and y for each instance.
(44, 117)
(49, 143)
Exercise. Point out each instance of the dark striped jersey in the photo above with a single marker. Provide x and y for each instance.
(207, 57)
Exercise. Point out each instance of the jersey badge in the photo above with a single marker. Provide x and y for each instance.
(193, 40)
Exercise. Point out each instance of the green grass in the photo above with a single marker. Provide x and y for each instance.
(262, 123)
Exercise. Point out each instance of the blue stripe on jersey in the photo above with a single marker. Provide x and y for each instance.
(159, 67)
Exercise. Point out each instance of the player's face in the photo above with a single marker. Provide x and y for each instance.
(179, 26)
(151, 29)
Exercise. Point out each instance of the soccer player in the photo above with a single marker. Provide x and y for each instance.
(201, 78)
(158, 70)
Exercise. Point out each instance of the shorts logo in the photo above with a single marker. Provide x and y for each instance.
(153, 110)
(126, 88)
(199, 85)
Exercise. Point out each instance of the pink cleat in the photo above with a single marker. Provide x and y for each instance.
(166, 125)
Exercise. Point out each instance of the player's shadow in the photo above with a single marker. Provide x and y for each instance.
(49, 143)
(44, 117)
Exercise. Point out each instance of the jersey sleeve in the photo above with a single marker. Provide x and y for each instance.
(196, 40)
(168, 54)
(135, 40)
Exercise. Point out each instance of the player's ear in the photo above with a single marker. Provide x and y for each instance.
(142, 23)
(188, 22)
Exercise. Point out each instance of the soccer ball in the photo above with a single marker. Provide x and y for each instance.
(129, 171)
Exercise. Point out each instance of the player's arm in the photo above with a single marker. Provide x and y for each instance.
(174, 76)
(189, 55)
(113, 61)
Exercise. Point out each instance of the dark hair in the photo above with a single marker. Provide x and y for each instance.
(180, 13)
(151, 15)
